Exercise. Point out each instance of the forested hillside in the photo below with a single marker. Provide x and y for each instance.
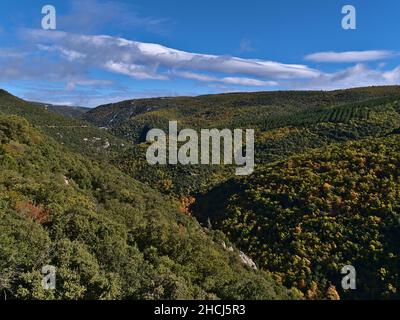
(285, 123)
(68, 111)
(317, 200)
(310, 215)
(324, 194)
(77, 134)
(264, 109)
(109, 236)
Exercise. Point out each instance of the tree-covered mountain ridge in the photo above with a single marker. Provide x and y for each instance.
(108, 235)
(326, 185)
(324, 193)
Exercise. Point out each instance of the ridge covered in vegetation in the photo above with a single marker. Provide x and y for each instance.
(109, 236)
(325, 194)
(285, 123)
(307, 217)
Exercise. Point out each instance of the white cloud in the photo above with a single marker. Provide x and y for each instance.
(72, 84)
(350, 56)
(393, 76)
(135, 71)
(70, 55)
(141, 60)
(67, 61)
(90, 97)
(250, 82)
(359, 75)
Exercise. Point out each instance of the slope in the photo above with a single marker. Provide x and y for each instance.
(285, 123)
(308, 216)
(108, 236)
(77, 134)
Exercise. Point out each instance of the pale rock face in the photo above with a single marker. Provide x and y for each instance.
(229, 249)
(247, 261)
(106, 145)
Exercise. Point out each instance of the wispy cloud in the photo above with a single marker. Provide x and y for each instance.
(67, 62)
(350, 56)
(87, 16)
(90, 96)
(11, 53)
(246, 46)
(142, 60)
(241, 81)
(359, 75)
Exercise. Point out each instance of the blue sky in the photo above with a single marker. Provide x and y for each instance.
(106, 51)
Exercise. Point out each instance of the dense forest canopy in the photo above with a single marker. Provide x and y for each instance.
(77, 192)
(109, 236)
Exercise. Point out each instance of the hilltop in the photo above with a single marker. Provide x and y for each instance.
(285, 123)
(224, 109)
(68, 111)
(65, 126)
